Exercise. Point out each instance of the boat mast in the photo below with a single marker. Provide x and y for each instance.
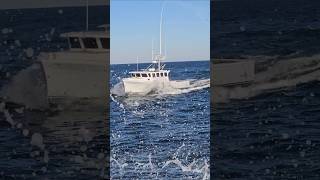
(152, 52)
(137, 63)
(160, 55)
(87, 15)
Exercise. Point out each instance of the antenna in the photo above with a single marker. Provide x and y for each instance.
(137, 63)
(152, 51)
(165, 46)
(160, 53)
(87, 15)
(161, 29)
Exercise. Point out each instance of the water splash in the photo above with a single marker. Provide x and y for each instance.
(197, 169)
(27, 88)
(146, 130)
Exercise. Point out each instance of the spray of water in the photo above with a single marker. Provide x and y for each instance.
(27, 88)
(181, 161)
(198, 168)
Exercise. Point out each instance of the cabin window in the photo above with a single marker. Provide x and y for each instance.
(144, 75)
(153, 75)
(149, 75)
(157, 74)
(161, 74)
(74, 42)
(138, 75)
(90, 43)
(133, 75)
(105, 42)
(165, 74)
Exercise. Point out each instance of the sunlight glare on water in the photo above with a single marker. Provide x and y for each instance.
(164, 134)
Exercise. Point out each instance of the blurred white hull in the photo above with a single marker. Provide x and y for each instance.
(229, 72)
(75, 74)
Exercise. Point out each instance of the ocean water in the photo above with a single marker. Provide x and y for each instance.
(274, 134)
(64, 142)
(164, 135)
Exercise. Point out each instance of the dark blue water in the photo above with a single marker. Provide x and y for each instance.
(274, 135)
(163, 136)
(58, 143)
(260, 27)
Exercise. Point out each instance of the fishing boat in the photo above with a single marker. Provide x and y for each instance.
(78, 73)
(147, 80)
(154, 77)
(246, 78)
(81, 70)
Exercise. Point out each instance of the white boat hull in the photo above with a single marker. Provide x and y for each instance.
(230, 72)
(143, 86)
(182, 84)
(75, 74)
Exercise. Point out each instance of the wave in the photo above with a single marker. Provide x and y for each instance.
(199, 167)
(194, 85)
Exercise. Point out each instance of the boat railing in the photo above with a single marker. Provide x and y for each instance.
(149, 67)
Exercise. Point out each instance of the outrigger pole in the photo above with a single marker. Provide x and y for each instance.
(87, 15)
(152, 51)
(137, 63)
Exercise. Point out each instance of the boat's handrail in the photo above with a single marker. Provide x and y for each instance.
(86, 34)
(146, 71)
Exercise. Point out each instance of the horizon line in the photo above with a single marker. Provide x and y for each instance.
(165, 61)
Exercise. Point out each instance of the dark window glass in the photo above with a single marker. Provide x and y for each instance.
(138, 75)
(105, 42)
(90, 43)
(161, 74)
(144, 75)
(153, 75)
(165, 74)
(74, 42)
(157, 74)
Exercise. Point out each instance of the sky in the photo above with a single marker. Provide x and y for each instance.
(134, 23)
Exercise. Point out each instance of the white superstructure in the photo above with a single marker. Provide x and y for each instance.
(80, 71)
(146, 81)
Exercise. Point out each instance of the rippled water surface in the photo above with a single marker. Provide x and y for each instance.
(274, 135)
(162, 136)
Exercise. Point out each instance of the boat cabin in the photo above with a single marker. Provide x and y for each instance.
(146, 74)
(96, 41)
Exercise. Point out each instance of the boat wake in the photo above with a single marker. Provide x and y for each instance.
(174, 88)
(194, 85)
